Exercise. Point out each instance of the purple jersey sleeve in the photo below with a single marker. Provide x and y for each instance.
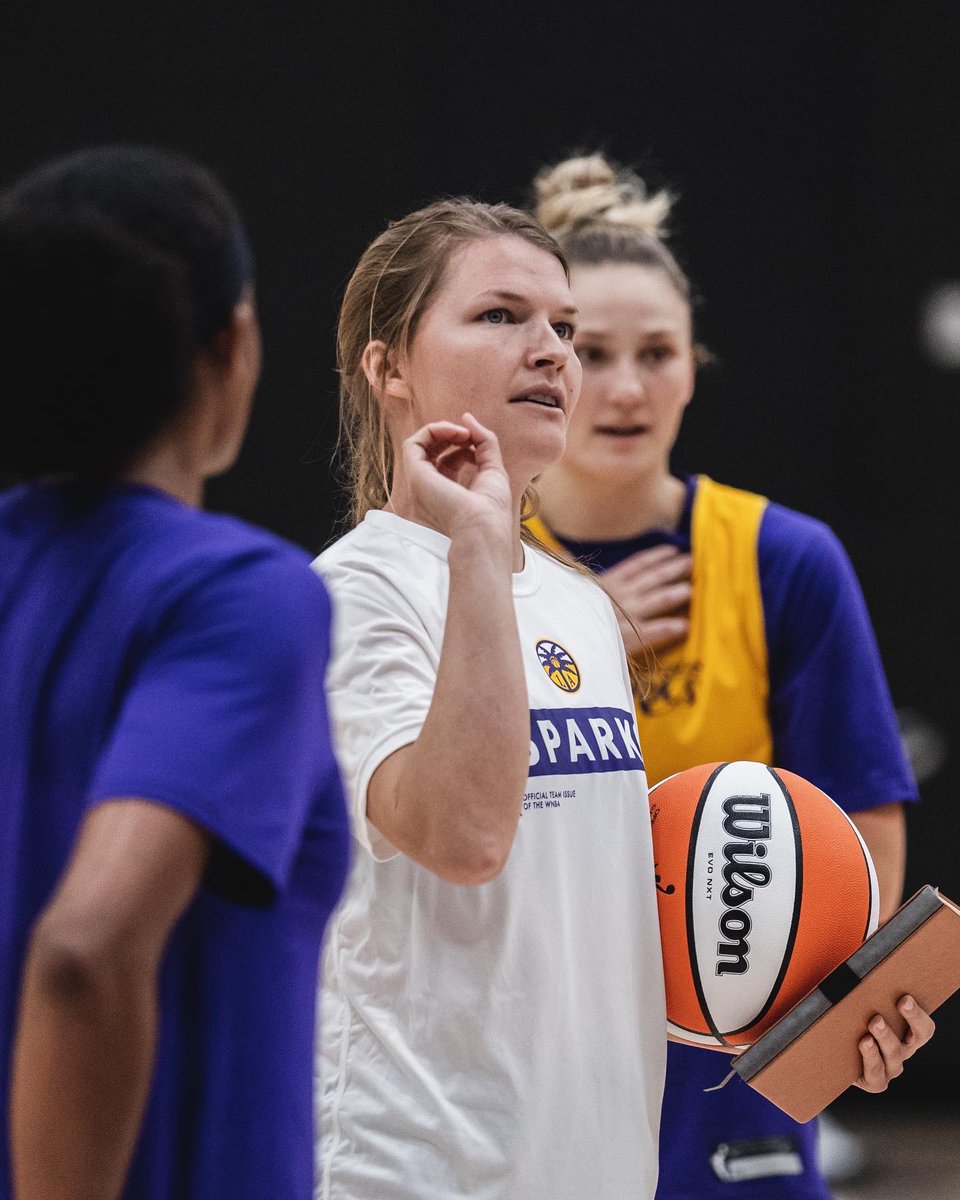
(830, 709)
(225, 718)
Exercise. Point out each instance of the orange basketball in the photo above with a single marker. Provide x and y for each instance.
(764, 885)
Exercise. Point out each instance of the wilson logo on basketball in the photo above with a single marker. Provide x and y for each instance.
(774, 889)
(746, 818)
(559, 666)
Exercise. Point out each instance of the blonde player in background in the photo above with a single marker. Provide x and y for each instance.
(764, 647)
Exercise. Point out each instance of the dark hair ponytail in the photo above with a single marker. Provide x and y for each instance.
(116, 267)
(97, 345)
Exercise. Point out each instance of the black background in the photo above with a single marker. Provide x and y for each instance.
(816, 150)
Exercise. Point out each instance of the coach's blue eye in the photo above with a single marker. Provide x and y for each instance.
(565, 330)
(495, 316)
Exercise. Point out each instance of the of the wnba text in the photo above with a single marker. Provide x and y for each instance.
(747, 818)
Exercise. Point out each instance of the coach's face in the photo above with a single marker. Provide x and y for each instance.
(496, 341)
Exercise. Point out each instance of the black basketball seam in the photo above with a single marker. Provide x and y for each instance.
(693, 1032)
(691, 933)
(795, 919)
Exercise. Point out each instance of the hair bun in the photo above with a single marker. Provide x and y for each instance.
(589, 188)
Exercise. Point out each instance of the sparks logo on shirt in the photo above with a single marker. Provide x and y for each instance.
(559, 665)
(581, 741)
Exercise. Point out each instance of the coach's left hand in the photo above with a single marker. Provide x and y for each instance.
(884, 1054)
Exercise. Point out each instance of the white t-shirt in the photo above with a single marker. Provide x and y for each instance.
(504, 1041)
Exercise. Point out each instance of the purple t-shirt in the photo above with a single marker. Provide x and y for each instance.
(833, 722)
(149, 649)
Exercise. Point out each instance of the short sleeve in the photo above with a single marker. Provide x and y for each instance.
(224, 717)
(381, 681)
(831, 713)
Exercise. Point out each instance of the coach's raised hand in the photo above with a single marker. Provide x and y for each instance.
(461, 824)
(456, 480)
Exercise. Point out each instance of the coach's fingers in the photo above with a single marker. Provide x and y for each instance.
(874, 1077)
(920, 1025)
(892, 1050)
(485, 443)
(433, 439)
(453, 459)
(896, 1050)
(884, 1053)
